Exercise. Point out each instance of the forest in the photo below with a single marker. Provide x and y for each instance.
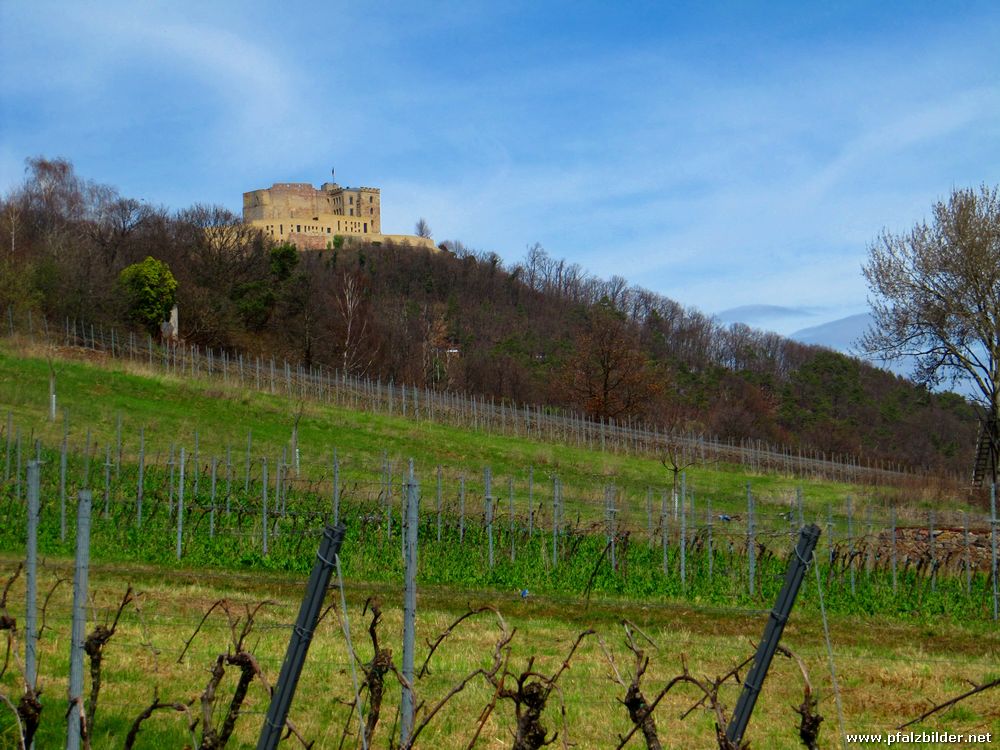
(539, 331)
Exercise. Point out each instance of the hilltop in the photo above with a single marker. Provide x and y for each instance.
(541, 331)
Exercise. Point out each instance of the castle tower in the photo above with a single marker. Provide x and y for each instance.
(312, 218)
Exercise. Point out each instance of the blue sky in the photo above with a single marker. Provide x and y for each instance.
(725, 155)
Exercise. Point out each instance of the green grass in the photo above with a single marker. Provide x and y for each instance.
(577, 565)
(887, 670)
(172, 410)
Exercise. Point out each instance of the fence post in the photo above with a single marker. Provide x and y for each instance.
(850, 540)
(211, 512)
(10, 443)
(649, 515)
(170, 482)
(711, 552)
(409, 607)
(62, 490)
(968, 552)
(461, 509)
(298, 644)
(142, 470)
(933, 549)
(279, 472)
(52, 395)
(488, 499)
(246, 481)
(664, 531)
(196, 467)
(531, 502)
(17, 467)
(510, 487)
(555, 521)
(894, 574)
(263, 506)
(229, 477)
(336, 488)
(107, 481)
(683, 547)
(439, 504)
(797, 565)
(751, 544)
(31, 580)
(993, 546)
(868, 543)
(829, 533)
(180, 506)
(118, 437)
(75, 715)
(387, 472)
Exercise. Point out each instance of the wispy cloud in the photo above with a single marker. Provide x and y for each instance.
(719, 156)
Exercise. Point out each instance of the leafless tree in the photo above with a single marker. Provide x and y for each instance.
(609, 375)
(13, 208)
(352, 304)
(935, 296)
(422, 228)
(677, 460)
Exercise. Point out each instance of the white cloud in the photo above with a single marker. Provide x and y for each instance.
(719, 169)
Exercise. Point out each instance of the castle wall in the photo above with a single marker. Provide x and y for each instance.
(297, 212)
(283, 228)
(304, 241)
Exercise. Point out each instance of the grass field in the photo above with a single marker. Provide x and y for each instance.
(96, 393)
(887, 671)
(890, 661)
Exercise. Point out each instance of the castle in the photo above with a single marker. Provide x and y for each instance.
(311, 219)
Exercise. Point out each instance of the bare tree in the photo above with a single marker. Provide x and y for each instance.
(676, 460)
(935, 296)
(609, 375)
(353, 305)
(422, 228)
(13, 208)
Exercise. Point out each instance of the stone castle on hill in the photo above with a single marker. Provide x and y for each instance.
(311, 219)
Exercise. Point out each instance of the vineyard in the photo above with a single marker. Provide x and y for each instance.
(204, 526)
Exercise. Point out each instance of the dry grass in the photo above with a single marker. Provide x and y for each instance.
(888, 671)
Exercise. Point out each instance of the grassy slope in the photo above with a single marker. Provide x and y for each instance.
(887, 668)
(171, 410)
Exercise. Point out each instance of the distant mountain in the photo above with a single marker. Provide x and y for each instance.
(841, 334)
(762, 315)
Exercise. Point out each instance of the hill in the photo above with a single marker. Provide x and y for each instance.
(540, 332)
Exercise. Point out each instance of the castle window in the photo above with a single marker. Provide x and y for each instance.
(371, 211)
(281, 228)
(369, 199)
(366, 226)
(328, 230)
(298, 227)
(352, 212)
